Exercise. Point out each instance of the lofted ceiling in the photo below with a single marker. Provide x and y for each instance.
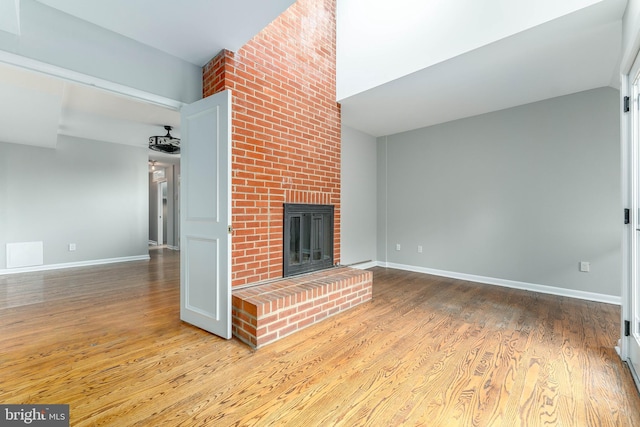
(192, 30)
(476, 61)
(574, 52)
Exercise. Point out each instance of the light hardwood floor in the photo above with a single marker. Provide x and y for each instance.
(427, 351)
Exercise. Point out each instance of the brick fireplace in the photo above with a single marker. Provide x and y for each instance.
(285, 132)
(285, 150)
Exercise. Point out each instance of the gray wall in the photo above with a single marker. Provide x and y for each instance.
(358, 198)
(90, 193)
(522, 194)
(52, 37)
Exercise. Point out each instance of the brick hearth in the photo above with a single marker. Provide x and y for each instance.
(266, 312)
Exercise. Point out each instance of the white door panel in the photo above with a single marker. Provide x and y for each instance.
(205, 279)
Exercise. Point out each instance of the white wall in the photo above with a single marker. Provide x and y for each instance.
(522, 194)
(369, 33)
(90, 193)
(630, 34)
(358, 198)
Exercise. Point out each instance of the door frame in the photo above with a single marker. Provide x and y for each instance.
(161, 221)
(627, 187)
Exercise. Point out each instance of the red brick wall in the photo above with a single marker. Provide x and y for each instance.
(286, 131)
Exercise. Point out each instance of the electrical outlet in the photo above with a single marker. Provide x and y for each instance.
(397, 246)
(585, 266)
(419, 249)
(72, 247)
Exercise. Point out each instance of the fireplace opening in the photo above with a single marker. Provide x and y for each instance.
(308, 238)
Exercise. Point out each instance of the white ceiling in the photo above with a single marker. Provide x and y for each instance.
(449, 80)
(192, 30)
(578, 50)
(393, 39)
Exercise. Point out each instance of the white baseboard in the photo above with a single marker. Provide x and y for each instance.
(589, 296)
(364, 265)
(74, 264)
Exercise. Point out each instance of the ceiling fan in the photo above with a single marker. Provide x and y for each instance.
(165, 143)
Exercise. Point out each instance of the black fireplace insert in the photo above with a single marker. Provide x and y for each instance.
(308, 238)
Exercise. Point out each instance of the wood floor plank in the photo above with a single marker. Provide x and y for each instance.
(427, 350)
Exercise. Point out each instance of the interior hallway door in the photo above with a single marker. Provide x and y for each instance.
(205, 219)
(633, 340)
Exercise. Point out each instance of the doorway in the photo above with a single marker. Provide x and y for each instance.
(631, 173)
(164, 212)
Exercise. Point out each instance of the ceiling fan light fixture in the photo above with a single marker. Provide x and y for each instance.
(166, 143)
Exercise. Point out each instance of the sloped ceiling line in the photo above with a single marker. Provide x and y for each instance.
(573, 53)
(578, 51)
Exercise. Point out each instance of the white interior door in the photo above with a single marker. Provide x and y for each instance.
(633, 340)
(205, 214)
